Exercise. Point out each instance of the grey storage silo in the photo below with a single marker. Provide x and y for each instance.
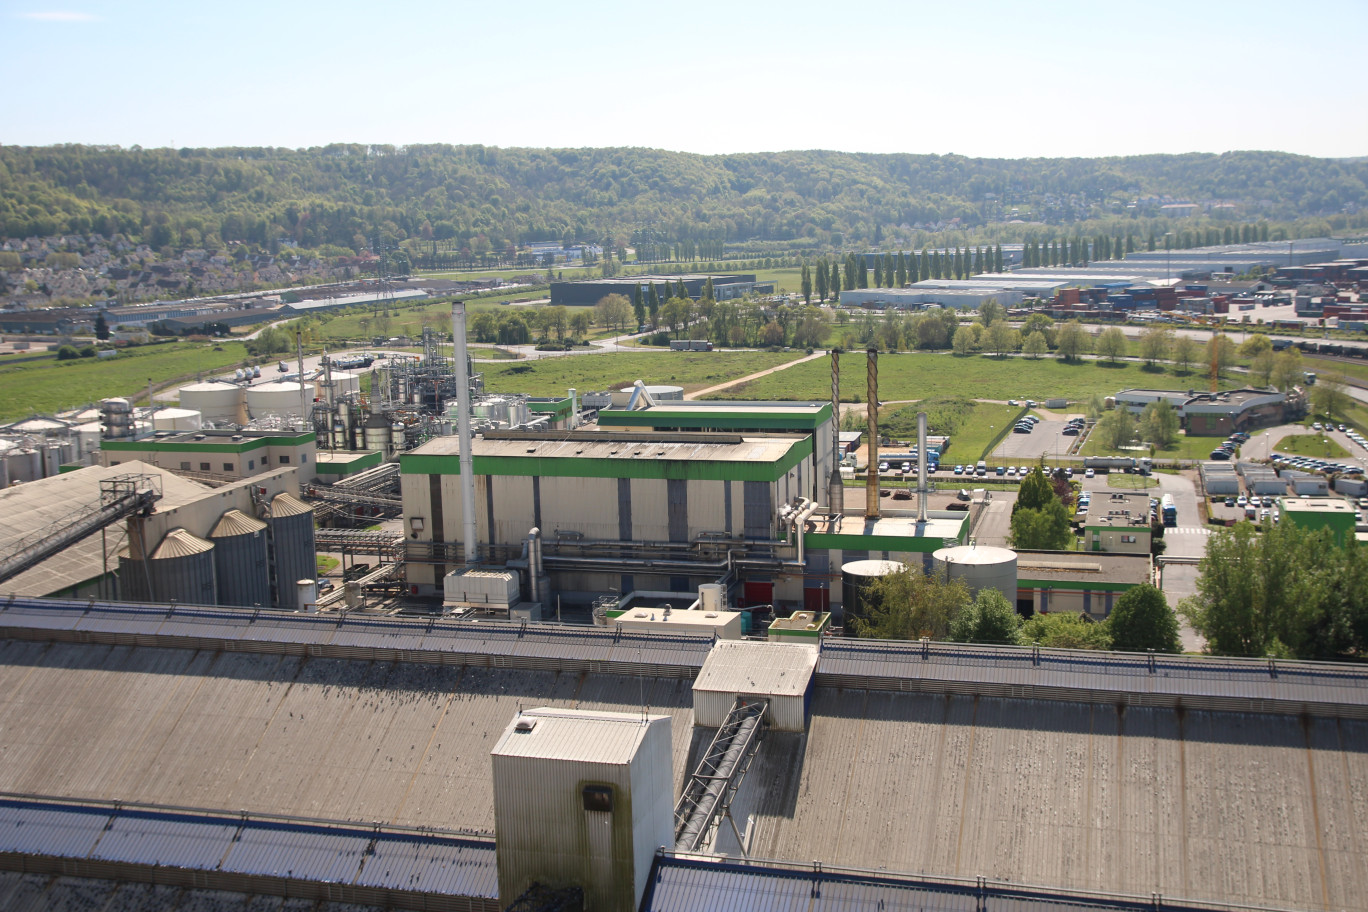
(180, 569)
(240, 560)
(856, 578)
(293, 556)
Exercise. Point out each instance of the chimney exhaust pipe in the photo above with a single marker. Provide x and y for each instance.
(470, 545)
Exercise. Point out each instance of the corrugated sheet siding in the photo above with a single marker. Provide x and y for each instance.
(759, 508)
(677, 508)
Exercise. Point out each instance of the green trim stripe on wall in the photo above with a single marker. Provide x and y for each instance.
(1074, 585)
(706, 419)
(203, 446)
(590, 467)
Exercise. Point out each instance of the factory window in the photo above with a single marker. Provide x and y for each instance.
(204, 467)
(227, 467)
(185, 466)
(251, 464)
(303, 457)
(284, 459)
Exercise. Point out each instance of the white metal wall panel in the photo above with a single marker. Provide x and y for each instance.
(546, 835)
(512, 508)
(707, 505)
(650, 510)
(585, 505)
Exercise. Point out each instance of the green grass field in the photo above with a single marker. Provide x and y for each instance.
(50, 386)
(1310, 445)
(922, 375)
(691, 370)
(1184, 448)
(1356, 369)
(974, 427)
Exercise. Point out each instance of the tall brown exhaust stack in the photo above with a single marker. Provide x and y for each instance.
(872, 473)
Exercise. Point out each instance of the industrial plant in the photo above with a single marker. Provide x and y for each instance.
(593, 652)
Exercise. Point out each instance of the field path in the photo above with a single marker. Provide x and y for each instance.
(698, 394)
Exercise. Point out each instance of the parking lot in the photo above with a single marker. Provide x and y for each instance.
(1046, 440)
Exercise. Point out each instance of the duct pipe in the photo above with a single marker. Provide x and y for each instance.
(872, 409)
(921, 467)
(799, 523)
(534, 565)
(469, 542)
(303, 390)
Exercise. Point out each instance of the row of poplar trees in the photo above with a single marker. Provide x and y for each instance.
(829, 279)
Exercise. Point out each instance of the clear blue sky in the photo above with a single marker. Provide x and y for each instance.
(981, 77)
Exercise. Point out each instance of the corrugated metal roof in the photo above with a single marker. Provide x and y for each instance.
(686, 885)
(739, 666)
(432, 864)
(157, 838)
(31, 827)
(180, 543)
(235, 522)
(286, 504)
(585, 736)
(318, 852)
(324, 854)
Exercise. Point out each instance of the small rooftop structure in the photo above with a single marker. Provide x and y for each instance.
(582, 799)
(781, 673)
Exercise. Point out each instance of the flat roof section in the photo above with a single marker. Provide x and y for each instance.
(893, 533)
(1324, 505)
(1101, 569)
(604, 455)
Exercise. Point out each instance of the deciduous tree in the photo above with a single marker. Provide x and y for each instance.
(1071, 341)
(1111, 344)
(1142, 620)
(990, 618)
(908, 604)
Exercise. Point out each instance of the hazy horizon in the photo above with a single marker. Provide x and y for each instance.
(991, 80)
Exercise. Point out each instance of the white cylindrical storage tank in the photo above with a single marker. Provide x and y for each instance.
(710, 597)
(660, 393)
(278, 397)
(352, 593)
(306, 594)
(980, 567)
(177, 419)
(240, 560)
(856, 578)
(342, 384)
(292, 541)
(222, 403)
(181, 569)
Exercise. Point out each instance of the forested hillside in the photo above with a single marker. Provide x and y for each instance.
(488, 198)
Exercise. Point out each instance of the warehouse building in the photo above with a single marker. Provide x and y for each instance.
(1321, 513)
(1219, 414)
(623, 511)
(1078, 582)
(226, 455)
(590, 292)
(812, 420)
(1118, 524)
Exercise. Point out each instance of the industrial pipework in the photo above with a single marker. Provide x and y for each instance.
(872, 472)
(469, 537)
